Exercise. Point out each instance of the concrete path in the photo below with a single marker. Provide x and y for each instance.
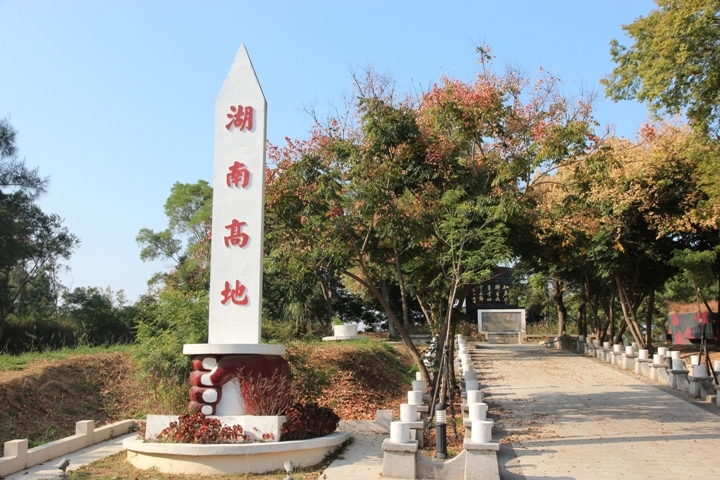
(77, 459)
(565, 416)
(361, 460)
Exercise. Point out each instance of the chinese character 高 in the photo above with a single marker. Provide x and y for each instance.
(236, 237)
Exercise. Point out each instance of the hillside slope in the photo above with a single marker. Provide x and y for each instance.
(43, 401)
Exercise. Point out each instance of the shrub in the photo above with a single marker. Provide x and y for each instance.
(308, 421)
(197, 428)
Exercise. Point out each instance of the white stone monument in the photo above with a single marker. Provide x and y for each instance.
(237, 230)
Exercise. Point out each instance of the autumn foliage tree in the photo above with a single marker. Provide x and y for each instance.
(416, 191)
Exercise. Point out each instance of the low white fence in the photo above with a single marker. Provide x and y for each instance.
(18, 457)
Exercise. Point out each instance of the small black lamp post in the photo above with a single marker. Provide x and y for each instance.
(440, 431)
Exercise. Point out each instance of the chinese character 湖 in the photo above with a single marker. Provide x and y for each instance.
(240, 117)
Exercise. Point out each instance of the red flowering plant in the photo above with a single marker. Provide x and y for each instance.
(198, 428)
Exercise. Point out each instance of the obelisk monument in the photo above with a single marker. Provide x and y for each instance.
(237, 233)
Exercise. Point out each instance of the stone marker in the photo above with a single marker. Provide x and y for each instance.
(237, 248)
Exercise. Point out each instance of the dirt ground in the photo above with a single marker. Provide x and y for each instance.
(43, 401)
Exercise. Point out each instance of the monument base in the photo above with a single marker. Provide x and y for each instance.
(242, 458)
(233, 349)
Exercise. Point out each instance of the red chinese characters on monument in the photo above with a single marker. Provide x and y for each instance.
(240, 118)
(239, 176)
(236, 237)
(237, 295)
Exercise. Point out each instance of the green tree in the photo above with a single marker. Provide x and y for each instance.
(100, 316)
(674, 63)
(185, 244)
(31, 241)
(414, 192)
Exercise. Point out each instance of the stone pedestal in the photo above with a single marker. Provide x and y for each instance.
(642, 366)
(399, 459)
(628, 361)
(481, 462)
(617, 359)
(701, 387)
(658, 372)
(678, 379)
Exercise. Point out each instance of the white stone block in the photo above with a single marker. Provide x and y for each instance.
(471, 385)
(477, 411)
(474, 396)
(675, 354)
(399, 432)
(629, 350)
(408, 413)
(617, 348)
(415, 398)
(418, 386)
(643, 354)
(678, 364)
(694, 359)
(482, 431)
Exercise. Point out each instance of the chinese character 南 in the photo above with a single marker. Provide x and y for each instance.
(240, 117)
(237, 295)
(239, 175)
(236, 237)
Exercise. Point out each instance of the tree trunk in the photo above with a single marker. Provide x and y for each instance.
(403, 297)
(366, 281)
(582, 316)
(648, 321)
(621, 330)
(629, 312)
(386, 295)
(562, 310)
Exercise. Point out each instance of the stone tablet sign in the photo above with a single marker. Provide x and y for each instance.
(501, 321)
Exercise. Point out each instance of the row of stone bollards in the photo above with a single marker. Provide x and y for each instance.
(665, 367)
(477, 461)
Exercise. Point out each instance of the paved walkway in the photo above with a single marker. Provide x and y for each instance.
(362, 460)
(565, 416)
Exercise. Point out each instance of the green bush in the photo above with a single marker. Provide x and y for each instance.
(36, 333)
(164, 325)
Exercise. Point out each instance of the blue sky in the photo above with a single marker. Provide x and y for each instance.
(114, 100)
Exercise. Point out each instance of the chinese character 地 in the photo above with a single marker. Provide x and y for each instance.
(240, 117)
(237, 237)
(237, 295)
(239, 175)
